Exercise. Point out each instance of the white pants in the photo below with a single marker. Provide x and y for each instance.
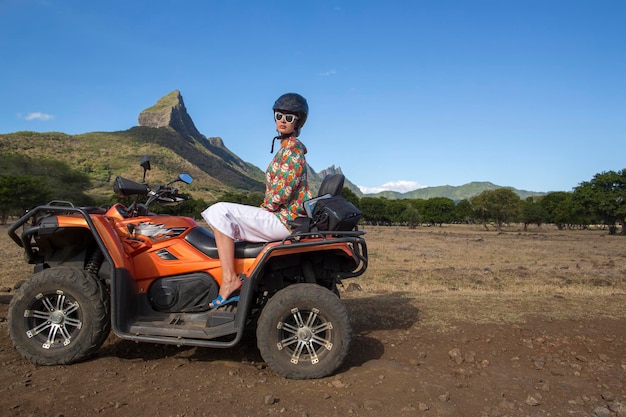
(241, 222)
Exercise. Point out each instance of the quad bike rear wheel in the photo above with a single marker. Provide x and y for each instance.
(60, 316)
(304, 332)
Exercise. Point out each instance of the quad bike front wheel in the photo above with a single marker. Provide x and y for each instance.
(304, 332)
(60, 316)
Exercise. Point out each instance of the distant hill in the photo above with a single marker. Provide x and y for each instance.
(167, 133)
(459, 193)
(105, 155)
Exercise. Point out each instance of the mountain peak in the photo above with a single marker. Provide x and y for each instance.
(170, 111)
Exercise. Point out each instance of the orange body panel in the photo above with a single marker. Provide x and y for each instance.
(106, 231)
(147, 237)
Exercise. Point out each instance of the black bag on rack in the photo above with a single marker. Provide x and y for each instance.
(334, 213)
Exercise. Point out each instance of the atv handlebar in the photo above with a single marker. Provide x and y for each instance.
(165, 195)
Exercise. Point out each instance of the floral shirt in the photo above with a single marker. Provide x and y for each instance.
(286, 185)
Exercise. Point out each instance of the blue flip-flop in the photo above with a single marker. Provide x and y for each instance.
(219, 301)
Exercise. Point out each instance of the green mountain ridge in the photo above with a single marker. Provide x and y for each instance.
(456, 193)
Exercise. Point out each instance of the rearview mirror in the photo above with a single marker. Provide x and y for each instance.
(145, 163)
(186, 178)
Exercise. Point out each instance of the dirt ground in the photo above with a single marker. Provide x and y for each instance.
(397, 366)
(531, 357)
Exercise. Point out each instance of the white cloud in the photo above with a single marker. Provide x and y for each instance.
(328, 73)
(399, 186)
(36, 116)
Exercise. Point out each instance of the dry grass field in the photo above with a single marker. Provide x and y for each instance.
(448, 321)
(517, 271)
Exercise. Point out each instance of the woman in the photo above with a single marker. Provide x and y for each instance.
(285, 189)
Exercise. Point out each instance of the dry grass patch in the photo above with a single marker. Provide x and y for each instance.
(453, 274)
(468, 259)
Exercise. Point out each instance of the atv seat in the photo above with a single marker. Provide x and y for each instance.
(331, 184)
(204, 240)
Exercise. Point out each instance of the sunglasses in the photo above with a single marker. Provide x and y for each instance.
(289, 118)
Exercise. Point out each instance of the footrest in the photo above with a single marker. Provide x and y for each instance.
(218, 317)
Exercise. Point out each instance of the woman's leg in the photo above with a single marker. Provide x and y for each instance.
(231, 222)
(226, 251)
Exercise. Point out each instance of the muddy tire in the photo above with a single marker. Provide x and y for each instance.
(60, 316)
(304, 332)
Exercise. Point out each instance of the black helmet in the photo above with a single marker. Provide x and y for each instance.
(295, 104)
(292, 103)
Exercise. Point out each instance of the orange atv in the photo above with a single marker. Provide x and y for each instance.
(151, 277)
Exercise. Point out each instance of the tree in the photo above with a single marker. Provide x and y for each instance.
(411, 214)
(438, 210)
(533, 213)
(499, 206)
(558, 208)
(250, 199)
(58, 179)
(463, 212)
(394, 210)
(605, 196)
(190, 208)
(20, 193)
(373, 209)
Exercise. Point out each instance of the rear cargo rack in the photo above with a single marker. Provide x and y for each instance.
(54, 207)
(353, 238)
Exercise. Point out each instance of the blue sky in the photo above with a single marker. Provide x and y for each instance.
(529, 94)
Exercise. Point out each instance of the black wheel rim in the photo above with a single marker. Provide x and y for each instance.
(305, 336)
(53, 319)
